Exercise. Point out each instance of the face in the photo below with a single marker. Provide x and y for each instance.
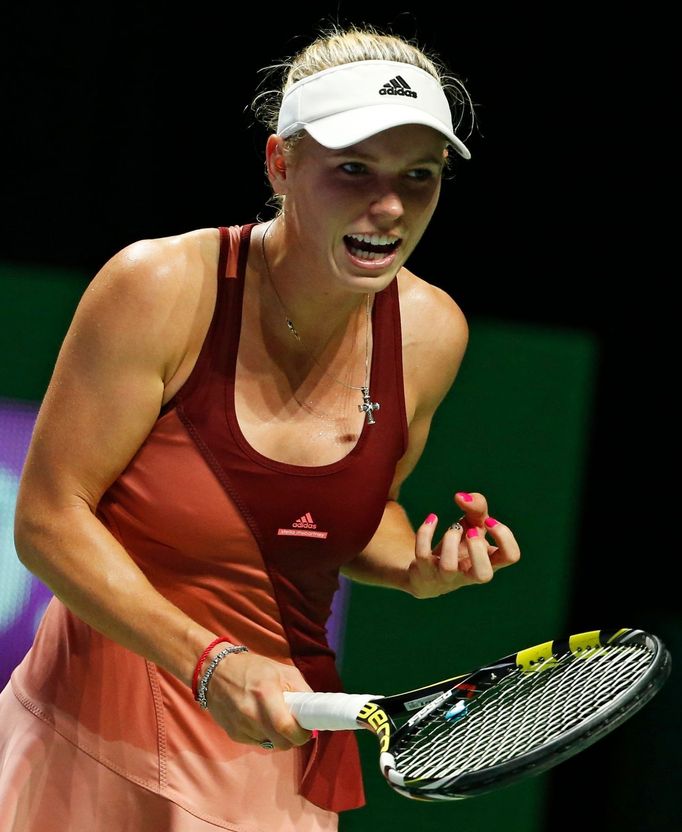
(357, 214)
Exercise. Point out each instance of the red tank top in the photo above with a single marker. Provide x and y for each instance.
(247, 547)
(307, 521)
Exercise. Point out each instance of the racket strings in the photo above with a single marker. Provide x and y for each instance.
(519, 713)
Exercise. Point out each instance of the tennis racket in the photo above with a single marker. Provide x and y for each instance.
(517, 717)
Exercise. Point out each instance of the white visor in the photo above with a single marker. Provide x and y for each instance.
(349, 103)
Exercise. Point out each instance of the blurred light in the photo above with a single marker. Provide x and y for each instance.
(15, 580)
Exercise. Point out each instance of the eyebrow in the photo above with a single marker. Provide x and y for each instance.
(359, 154)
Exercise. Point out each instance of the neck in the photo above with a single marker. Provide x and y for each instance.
(304, 290)
(327, 332)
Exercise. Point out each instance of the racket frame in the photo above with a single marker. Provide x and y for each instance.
(379, 715)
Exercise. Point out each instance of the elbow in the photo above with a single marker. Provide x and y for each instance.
(44, 528)
(27, 532)
(47, 522)
(37, 532)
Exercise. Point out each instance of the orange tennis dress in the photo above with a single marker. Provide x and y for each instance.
(93, 736)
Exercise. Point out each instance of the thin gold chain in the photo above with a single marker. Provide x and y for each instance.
(292, 328)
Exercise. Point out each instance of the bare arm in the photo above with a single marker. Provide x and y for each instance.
(126, 340)
(397, 556)
(102, 402)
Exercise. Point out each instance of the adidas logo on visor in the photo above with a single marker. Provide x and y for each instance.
(398, 86)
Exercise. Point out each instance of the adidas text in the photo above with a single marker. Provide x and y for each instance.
(398, 91)
(398, 86)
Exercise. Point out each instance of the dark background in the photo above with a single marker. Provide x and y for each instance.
(129, 122)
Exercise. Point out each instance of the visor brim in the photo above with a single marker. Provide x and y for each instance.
(352, 126)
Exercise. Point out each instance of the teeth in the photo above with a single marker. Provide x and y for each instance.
(367, 255)
(375, 239)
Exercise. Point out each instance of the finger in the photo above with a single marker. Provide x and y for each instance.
(449, 549)
(287, 733)
(475, 507)
(424, 544)
(248, 732)
(280, 727)
(508, 551)
(477, 546)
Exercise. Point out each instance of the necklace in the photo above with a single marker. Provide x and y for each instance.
(368, 406)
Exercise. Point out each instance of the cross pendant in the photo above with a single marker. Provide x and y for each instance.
(368, 406)
(292, 329)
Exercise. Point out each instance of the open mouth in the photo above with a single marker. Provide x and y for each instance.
(371, 247)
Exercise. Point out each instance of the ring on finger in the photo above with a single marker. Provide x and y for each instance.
(267, 744)
(456, 527)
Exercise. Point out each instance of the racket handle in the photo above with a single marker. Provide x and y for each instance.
(327, 711)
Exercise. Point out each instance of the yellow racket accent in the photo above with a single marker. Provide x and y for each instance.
(536, 658)
(584, 644)
(375, 718)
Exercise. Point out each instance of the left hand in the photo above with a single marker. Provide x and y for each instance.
(463, 556)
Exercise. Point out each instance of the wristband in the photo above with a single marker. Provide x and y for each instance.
(202, 658)
(206, 678)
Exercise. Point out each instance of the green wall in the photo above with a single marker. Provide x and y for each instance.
(515, 427)
(36, 306)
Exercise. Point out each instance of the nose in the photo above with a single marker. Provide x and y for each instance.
(387, 204)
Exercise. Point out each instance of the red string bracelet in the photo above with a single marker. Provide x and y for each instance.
(202, 658)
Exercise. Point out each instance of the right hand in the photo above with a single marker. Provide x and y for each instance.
(463, 556)
(245, 698)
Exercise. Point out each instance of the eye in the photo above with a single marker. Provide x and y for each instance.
(353, 168)
(420, 174)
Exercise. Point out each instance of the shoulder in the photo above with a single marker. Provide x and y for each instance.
(430, 316)
(152, 290)
(156, 269)
(435, 337)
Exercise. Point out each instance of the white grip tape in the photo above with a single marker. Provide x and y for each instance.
(327, 711)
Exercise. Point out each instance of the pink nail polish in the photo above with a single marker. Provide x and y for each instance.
(315, 732)
(466, 497)
(472, 532)
(430, 519)
(490, 522)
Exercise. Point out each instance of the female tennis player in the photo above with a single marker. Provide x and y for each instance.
(230, 420)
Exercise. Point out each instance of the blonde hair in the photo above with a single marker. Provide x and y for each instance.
(336, 45)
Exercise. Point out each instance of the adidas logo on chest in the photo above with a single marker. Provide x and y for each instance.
(305, 522)
(304, 526)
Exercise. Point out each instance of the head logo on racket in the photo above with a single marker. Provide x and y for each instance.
(376, 719)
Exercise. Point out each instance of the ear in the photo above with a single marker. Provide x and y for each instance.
(276, 163)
